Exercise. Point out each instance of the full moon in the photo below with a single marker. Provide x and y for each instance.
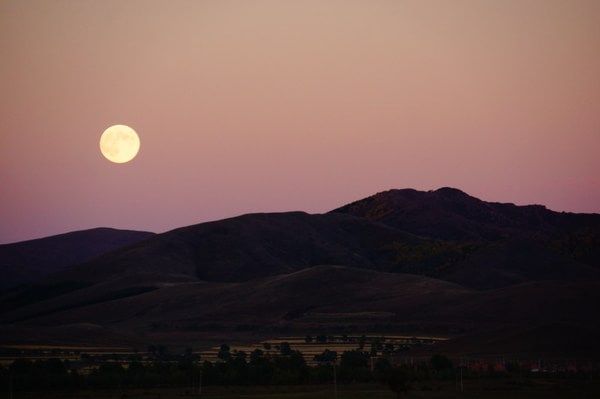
(119, 143)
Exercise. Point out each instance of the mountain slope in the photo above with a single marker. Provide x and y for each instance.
(321, 299)
(539, 245)
(515, 261)
(404, 260)
(485, 244)
(261, 301)
(450, 214)
(250, 246)
(28, 261)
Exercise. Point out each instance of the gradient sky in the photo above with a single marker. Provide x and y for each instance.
(274, 105)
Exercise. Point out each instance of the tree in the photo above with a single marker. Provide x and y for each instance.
(398, 380)
(388, 348)
(382, 368)
(285, 349)
(327, 357)
(238, 368)
(354, 359)
(162, 351)
(354, 366)
(256, 355)
(290, 369)
(308, 339)
(224, 352)
(440, 362)
(240, 356)
(135, 368)
(361, 342)
(261, 368)
(21, 366)
(373, 351)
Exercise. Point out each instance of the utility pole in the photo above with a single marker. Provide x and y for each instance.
(10, 386)
(335, 390)
(462, 388)
(456, 380)
(200, 383)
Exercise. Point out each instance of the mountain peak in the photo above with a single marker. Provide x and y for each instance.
(451, 191)
(449, 213)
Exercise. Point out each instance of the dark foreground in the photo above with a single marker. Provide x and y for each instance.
(354, 374)
(482, 388)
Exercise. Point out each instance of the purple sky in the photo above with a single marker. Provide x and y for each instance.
(274, 105)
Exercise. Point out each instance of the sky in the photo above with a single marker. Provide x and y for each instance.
(276, 105)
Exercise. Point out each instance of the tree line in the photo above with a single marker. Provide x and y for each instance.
(287, 367)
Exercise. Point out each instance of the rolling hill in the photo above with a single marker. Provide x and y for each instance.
(450, 214)
(29, 261)
(401, 260)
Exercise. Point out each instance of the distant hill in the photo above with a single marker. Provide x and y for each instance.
(248, 247)
(450, 214)
(401, 260)
(28, 261)
(485, 244)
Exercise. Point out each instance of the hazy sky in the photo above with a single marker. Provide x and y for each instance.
(248, 106)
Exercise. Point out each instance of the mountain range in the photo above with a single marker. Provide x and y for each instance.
(490, 275)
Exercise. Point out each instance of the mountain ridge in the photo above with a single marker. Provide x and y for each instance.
(30, 260)
(429, 261)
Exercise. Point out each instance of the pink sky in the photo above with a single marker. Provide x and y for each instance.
(251, 106)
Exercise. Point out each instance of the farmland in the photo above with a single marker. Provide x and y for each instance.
(357, 366)
(308, 345)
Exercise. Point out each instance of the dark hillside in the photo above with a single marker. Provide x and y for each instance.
(29, 261)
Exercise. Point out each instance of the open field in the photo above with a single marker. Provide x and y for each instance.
(10, 353)
(340, 344)
(336, 343)
(492, 389)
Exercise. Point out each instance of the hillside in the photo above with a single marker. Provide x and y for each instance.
(316, 299)
(450, 214)
(251, 246)
(29, 261)
(485, 244)
(402, 260)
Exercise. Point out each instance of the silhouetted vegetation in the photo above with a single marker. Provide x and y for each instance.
(287, 367)
(440, 362)
(326, 357)
(398, 379)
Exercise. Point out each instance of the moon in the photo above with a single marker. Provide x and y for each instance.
(119, 143)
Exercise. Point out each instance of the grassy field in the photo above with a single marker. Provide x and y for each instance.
(492, 389)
